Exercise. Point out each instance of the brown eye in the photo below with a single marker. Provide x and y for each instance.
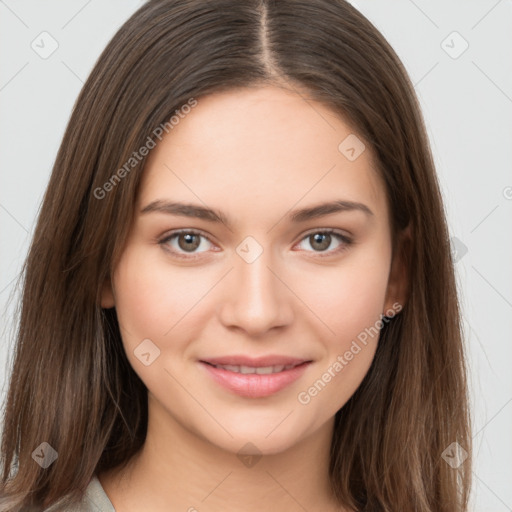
(320, 241)
(188, 241)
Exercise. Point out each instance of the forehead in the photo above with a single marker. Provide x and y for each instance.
(262, 147)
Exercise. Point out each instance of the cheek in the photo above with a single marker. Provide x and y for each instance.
(151, 301)
(348, 298)
(138, 297)
(151, 297)
(349, 301)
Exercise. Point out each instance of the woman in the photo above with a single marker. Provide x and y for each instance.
(240, 293)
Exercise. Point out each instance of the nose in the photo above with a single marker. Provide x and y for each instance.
(256, 298)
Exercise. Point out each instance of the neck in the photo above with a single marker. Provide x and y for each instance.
(179, 470)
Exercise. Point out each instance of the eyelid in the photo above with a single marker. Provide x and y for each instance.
(335, 231)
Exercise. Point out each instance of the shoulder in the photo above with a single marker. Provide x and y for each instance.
(95, 500)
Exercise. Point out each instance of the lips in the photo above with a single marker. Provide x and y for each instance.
(255, 377)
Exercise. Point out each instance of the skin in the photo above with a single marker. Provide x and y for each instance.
(254, 154)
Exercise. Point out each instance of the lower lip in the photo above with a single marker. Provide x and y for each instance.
(254, 385)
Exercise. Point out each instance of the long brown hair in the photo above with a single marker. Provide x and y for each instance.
(72, 386)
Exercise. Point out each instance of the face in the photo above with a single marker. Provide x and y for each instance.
(250, 274)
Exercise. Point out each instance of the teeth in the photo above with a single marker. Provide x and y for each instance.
(262, 370)
(270, 369)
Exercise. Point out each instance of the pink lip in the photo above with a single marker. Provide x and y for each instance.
(255, 385)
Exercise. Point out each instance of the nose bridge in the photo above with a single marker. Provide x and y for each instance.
(256, 300)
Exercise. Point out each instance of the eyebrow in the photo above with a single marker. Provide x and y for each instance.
(212, 215)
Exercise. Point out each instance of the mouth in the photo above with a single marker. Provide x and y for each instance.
(250, 370)
(255, 380)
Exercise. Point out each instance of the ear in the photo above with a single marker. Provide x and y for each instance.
(398, 285)
(107, 295)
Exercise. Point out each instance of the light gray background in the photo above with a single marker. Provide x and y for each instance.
(467, 104)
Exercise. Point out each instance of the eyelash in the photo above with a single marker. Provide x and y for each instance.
(346, 242)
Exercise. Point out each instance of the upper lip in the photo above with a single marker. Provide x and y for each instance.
(255, 362)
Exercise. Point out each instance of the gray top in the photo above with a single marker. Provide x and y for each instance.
(95, 500)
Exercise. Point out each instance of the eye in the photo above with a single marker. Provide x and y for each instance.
(321, 240)
(185, 242)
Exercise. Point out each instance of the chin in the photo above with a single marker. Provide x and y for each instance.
(260, 438)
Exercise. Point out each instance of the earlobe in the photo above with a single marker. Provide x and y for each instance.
(398, 282)
(107, 295)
